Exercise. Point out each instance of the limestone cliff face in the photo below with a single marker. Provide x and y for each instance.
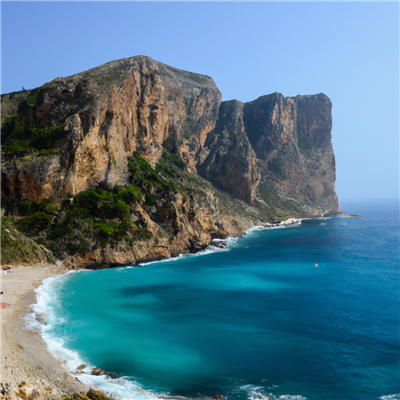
(276, 150)
(292, 140)
(177, 225)
(268, 159)
(231, 163)
(134, 104)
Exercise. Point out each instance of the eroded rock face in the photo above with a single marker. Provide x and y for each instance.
(292, 141)
(273, 156)
(135, 104)
(177, 225)
(276, 150)
(231, 163)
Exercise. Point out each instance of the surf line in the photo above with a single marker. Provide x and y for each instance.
(101, 380)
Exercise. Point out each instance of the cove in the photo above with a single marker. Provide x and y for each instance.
(257, 320)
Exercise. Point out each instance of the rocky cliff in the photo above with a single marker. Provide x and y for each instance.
(135, 160)
(276, 150)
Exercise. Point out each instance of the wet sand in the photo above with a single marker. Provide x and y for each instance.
(28, 370)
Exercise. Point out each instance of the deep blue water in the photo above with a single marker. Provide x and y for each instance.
(259, 319)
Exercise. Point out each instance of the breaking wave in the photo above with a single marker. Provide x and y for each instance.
(253, 392)
(43, 318)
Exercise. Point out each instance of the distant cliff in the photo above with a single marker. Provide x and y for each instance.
(275, 150)
(135, 160)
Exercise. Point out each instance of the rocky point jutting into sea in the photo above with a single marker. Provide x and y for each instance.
(136, 160)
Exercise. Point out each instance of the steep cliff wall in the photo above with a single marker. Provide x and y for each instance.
(231, 163)
(292, 141)
(275, 150)
(134, 135)
(99, 117)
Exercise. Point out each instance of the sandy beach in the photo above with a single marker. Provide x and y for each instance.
(28, 370)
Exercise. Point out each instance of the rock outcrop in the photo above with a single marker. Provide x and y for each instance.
(105, 114)
(232, 163)
(277, 150)
(292, 141)
(268, 159)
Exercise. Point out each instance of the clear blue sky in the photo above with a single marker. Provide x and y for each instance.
(349, 51)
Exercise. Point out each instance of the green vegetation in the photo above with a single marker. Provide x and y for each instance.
(31, 207)
(145, 176)
(105, 217)
(279, 209)
(45, 140)
(35, 223)
(34, 128)
(90, 395)
(94, 217)
(170, 165)
(16, 248)
(21, 133)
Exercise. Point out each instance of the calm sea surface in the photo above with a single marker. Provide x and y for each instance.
(256, 321)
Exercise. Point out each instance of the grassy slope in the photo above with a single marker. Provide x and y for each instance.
(18, 249)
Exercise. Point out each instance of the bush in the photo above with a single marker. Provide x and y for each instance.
(150, 199)
(35, 223)
(31, 207)
(172, 159)
(129, 194)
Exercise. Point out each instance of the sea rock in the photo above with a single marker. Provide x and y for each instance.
(101, 372)
(97, 372)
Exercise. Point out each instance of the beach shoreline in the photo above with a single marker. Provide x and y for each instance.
(28, 368)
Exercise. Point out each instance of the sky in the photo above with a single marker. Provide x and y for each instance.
(347, 50)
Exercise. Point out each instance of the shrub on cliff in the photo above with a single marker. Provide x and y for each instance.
(102, 217)
(17, 249)
(31, 207)
(35, 223)
(94, 217)
(98, 214)
(146, 177)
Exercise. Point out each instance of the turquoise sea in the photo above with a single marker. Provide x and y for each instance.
(257, 320)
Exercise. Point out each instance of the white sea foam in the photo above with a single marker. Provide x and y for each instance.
(290, 221)
(122, 388)
(253, 392)
(256, 228)
(37, 318)
(208, 250)
(391, 397)
(119, 388)
(283, 224)
(46, 294)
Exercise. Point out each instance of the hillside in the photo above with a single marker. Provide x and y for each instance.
(136, 160)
